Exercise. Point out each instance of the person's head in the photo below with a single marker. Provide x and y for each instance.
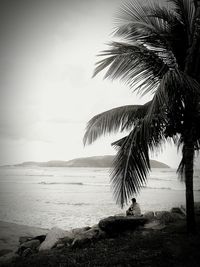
(133, 200)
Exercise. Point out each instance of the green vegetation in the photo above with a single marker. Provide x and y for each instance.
(157, 51)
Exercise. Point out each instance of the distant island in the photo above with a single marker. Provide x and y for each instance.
(95, 162)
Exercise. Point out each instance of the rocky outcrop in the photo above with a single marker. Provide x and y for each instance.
(166, 217)
(116, 224)
(29, 245)
(149, 215)
(53, 237)
(177, 210)
(80, 237)
(91, 235)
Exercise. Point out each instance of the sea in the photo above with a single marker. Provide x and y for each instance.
(76, 197)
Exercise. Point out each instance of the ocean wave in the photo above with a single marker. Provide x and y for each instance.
(54, 183)
(73, 183)
(68, 203)
(161, 179)
(40, 175)
(78, 176)
(29, 175)
(163, 188)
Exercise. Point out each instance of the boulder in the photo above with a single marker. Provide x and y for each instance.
(60, 245)
(32, 245)
(78, 231)
(177, 210)
(41, 238)
(149, 215)
(166, 217)
(94, 233)
(27, 252)
(178, 216)
(24, 239)
(67, 240)
(52, 238)
(81, 241)
(116, 224)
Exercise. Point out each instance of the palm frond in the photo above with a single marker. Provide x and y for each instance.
(135, 64)
(131, 166)
(147, 24)
(114, 120)
(160, 27)
(186, 12)
(135, 12)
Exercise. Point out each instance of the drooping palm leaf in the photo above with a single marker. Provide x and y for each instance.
(131, 164)
(111, 121)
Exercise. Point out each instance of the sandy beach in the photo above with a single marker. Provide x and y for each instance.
(10, 233)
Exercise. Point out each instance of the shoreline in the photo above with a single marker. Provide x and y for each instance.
(11, 232)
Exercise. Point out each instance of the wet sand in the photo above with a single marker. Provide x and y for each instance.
(10, 233)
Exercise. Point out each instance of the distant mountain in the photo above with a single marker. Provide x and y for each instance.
(96, 162)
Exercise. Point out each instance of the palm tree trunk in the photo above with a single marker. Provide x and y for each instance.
(189, 159)
(192, 68)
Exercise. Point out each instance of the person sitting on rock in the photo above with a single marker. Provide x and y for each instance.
(134, 209)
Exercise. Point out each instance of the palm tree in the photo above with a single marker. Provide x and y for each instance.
(157, 51)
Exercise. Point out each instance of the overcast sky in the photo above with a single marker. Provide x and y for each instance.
(48, 51)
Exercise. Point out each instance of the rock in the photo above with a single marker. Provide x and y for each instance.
(177, 210)
(166, 217)
(67, 240)
(115, 224)
(149, 215)
(80, 241)
(32, 245)
(60, 245)
(24, 239)
(41, 238)
(27, 252)
(94, 233)
(78, 231)
(177, 216)
(52, 238)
